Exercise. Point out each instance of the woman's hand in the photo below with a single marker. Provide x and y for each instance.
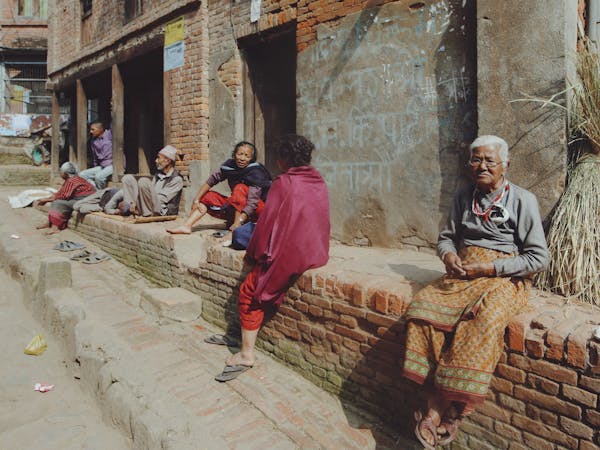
(476, 270)
(454, 265)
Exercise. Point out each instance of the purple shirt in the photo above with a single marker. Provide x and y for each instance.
(102, 150)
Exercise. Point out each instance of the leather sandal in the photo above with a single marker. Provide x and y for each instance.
(451, 422)
(427, 423)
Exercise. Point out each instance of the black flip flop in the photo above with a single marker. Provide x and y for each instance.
(232, 372)
(221, 339)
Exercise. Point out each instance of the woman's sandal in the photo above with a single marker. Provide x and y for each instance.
(426, 422)
(451, 424)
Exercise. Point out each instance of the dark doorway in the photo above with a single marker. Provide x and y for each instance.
(143, 85)
(269, 89)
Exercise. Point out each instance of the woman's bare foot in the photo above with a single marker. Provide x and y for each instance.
(51, 231)
(182, 229)
(239, 359)
(227, 239)
(42, 226)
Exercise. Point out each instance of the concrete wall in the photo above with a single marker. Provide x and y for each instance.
(388, 97)
(526, 49)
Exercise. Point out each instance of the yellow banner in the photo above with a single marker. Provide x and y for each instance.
(174, 31)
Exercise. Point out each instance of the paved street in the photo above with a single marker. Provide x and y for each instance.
(64, 418)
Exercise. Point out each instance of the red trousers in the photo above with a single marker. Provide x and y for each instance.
(252, 313)
(237, 200)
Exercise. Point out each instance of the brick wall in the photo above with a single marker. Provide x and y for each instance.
(345, 333)
(21, 32)
(111, 40)
(149, 252)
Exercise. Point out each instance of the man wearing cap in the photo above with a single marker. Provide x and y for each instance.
(157, 196)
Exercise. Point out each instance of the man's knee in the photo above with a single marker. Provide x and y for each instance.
(144, 183)
(128, 179)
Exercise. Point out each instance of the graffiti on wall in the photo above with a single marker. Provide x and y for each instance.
(381, 88)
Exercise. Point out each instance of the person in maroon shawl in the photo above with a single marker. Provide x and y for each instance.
(291, 236)
(74, 188)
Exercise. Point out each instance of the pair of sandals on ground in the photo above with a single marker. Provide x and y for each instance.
(85, 256)
(230, 371)
(433, 432)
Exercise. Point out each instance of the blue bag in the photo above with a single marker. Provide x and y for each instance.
(241, 236)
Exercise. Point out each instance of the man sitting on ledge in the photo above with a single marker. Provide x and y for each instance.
(157, 196)
(491, 245)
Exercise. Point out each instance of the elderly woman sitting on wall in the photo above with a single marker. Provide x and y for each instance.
(74, 188)
(492, 243)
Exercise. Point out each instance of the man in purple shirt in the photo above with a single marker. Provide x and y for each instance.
(101, 156)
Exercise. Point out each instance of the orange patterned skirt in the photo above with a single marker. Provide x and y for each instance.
(455, 332)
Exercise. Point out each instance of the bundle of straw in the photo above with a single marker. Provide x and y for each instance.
(584, 117)
(574, 236)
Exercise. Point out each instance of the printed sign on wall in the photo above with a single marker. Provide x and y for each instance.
(174, 52)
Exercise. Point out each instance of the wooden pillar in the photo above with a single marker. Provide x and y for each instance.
(118, 123)
(82, 128)
(55, 149)
(166, 108)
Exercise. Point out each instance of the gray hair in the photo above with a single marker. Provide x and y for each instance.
(69, 168)
(489, 140)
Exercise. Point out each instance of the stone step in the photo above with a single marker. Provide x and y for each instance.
(24, 175)
(171, 304)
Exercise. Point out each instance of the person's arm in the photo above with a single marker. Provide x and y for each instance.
(170, 190)
(252, 201)
(448, 240)
(533, 256)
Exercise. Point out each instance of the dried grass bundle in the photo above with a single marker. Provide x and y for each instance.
(574, 236)
(584, 116)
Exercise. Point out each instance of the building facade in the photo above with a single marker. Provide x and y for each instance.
(391, 93)
(25, 104)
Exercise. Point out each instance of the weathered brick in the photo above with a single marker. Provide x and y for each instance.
(511, 373)
(593, 418)
(577, 345)
(316, 300)
(554, 372)
(591, 384)
(511, 403)
(537, 443)
(539, 414)
(344, 308)
(490, 409)
(348, 321)
(576, 428)
(534, 343)
(380, 320)
(580, 396)
(487, 436)
(352, 334)
(539, 429)
(587, 445)
(548, 402)
(502, 385)
(508, 431)
(540, 383)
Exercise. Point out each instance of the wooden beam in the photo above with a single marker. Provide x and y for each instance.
(55, 149)
(82, 128)
(118, 123)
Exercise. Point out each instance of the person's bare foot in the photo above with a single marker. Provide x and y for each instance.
(227, 240)
(42, 226)
(182, 229)
(238, 359)
(51, 231)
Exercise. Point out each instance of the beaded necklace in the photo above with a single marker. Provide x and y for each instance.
(495, 204)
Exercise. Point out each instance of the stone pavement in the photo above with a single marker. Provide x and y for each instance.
(155, 380)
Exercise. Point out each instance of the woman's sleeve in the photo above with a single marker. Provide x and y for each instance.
(448, 237)
(215, 178)
(252, 200)
(533, 256)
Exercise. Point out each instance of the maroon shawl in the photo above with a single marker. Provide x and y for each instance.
(292, 234)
